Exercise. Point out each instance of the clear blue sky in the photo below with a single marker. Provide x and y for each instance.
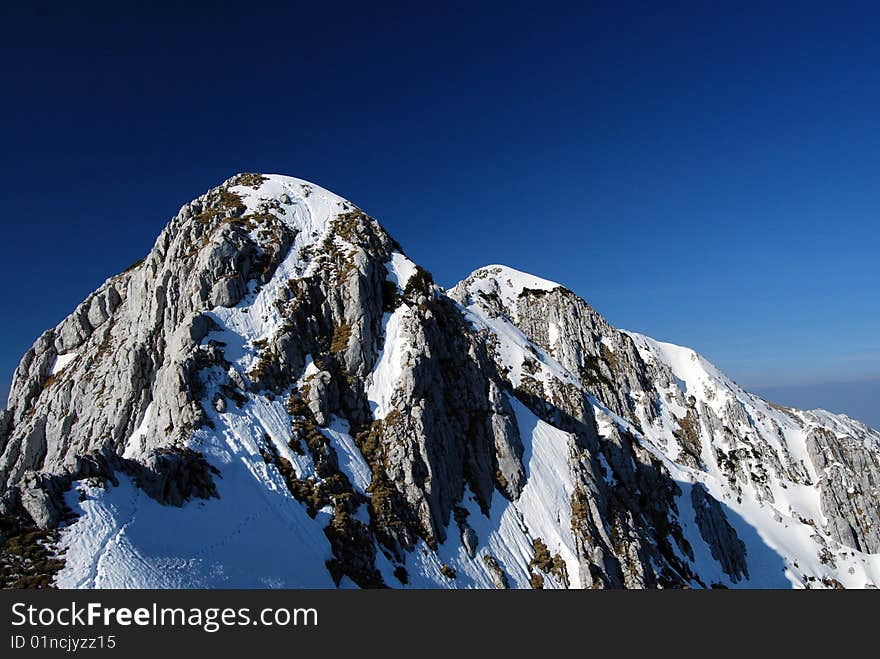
(709, 176)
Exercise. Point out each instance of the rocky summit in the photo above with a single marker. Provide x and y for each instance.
(276, 396)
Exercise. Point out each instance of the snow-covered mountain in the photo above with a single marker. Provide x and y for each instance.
(276, 396)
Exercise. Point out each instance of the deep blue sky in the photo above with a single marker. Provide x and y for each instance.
(708, 176)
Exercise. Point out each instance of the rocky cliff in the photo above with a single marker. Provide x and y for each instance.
(277, 396)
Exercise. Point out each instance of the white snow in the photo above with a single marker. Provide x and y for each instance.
(774, 532)
(389, 365)
(505, 282)
(252, 537)
(552, 334)
(514, 348)
(351, 461)
(134, 444)
(311, 207)
(61, 362)
(309, 211)
(310, 369)
(400, 269)
(255, 535)
(543, 510)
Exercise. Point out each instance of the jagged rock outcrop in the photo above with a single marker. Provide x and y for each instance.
(721, 537)
(279, 383)
(849, 483)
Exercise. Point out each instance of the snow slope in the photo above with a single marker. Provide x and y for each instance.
(783, 530)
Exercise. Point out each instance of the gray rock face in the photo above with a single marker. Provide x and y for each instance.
(849, 483)
(449, 429)
(174, 476)
(499, 579)
(624, 517)
(5, 427)
(721, 537)
(133, 343)
(508, 443)
(316, 299)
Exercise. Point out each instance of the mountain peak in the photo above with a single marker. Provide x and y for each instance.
(512, 280)
(277, 380)
(250, 198)
(500, 284)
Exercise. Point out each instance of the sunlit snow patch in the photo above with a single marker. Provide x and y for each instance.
(61, 361)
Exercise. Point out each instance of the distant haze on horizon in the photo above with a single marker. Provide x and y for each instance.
(704, 175)
(859, 400)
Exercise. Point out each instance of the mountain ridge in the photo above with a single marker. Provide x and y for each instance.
(278, 351)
